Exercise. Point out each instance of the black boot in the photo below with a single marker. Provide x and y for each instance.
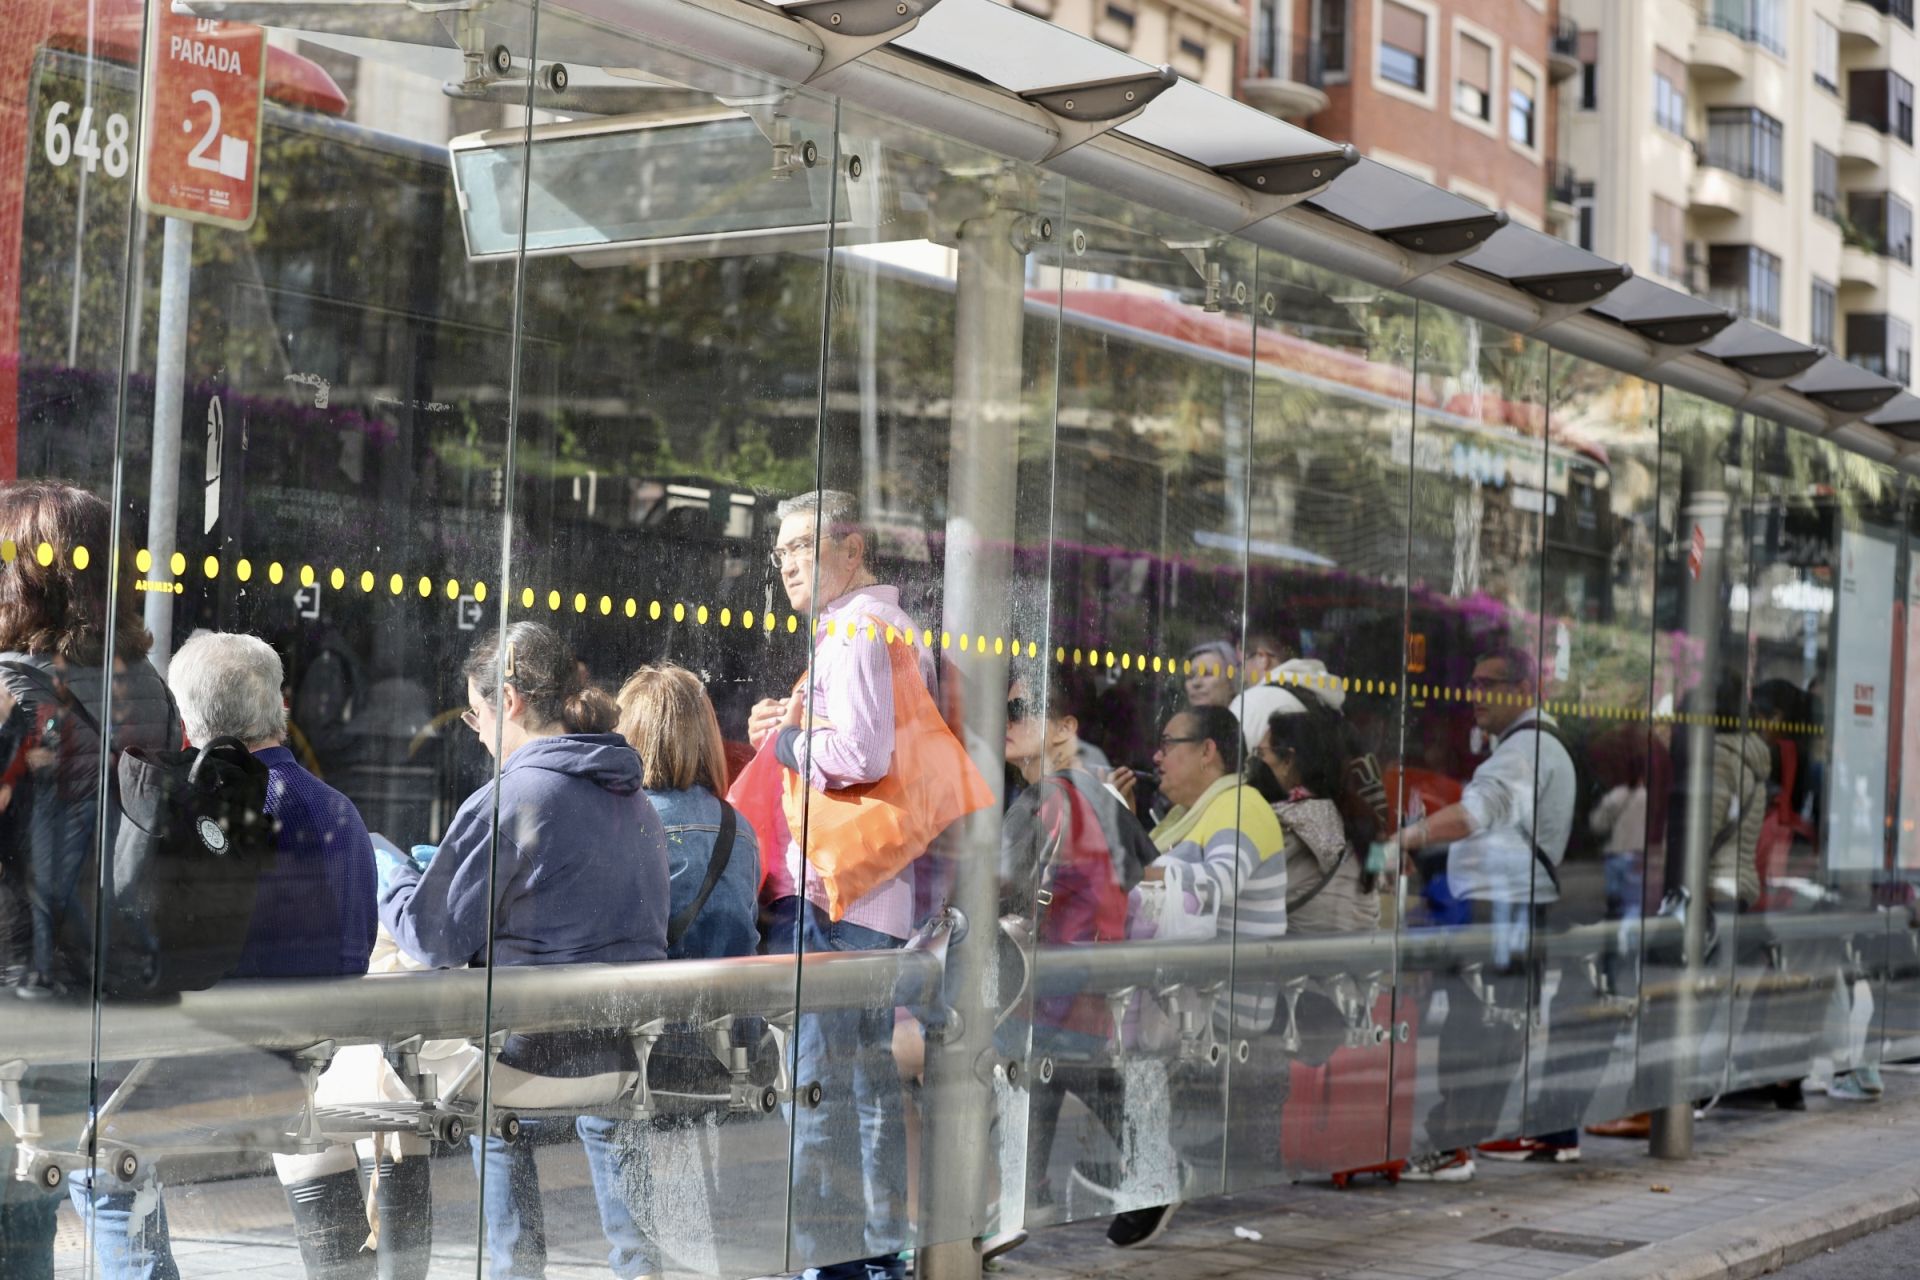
(404, 1198)
(330, 1222)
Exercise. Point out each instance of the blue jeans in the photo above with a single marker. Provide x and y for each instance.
(850, 1152)
(516, 1222)
(120, 1250)
(59, 837)
(26, 1235)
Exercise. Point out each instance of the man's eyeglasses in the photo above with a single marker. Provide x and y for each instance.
(1168, 740)
(798, 549)
(1487, 684)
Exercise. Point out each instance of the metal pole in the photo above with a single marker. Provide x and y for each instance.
(1705, 508)
(989, 309)
(169, 396)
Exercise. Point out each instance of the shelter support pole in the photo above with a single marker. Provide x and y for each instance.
(1704, 508)
(959, 1172)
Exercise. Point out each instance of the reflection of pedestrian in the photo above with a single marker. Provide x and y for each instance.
(838, 731)
(1508, 834)
(53, 643)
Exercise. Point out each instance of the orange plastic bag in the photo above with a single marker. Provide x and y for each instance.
(757, 795)
(859, 837)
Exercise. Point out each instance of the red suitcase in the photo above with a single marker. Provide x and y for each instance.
(1339, 1118)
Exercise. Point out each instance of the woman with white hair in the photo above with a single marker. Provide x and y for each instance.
(314, 916)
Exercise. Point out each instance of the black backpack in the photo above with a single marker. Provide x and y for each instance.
(194, 840)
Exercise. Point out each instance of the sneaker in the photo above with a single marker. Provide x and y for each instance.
(1637, 1127)
(1530, 1149)
(1868, 1076)
(1848, 1088)
(1136, 1227)
(1441, 1166)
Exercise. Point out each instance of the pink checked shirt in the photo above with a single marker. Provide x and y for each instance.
(853, 693)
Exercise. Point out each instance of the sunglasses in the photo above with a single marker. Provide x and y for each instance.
(1017, 710)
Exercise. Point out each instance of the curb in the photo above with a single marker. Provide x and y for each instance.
(1759, 1244)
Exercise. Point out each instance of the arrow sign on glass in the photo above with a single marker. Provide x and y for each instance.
(467, 612)
(307, 601)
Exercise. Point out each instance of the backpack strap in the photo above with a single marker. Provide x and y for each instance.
(716, 867)
(64, 696)
(1546, 863)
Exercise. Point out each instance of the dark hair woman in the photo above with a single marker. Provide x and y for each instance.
(58, 607)
(577, 874)
(72, 658)
(1302, 768)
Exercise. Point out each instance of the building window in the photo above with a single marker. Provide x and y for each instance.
(1826, 302)
(1882, 344)
(1669, 92)
(1669, 239)
(1265, 62)
(1744, 280)
(1193, 52)
(1761, 22)
(1826, 183)
(1880, 223)
(1583, 204)
(1115, 26)
(1403, 45)
(1523, 111)
(1333, 28)
(1744, 141)
(1473, 79)
(1826, 55)
(1883, 100)
(1589, 70)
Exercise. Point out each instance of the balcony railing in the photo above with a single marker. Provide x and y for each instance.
(1899, 10)
(1743, 18)
(1562, 185)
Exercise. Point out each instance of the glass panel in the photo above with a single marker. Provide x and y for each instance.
(1699, 631)
(1900, 1010)
(929, 588)
(667, 399)
(63, 397)
(1825, 545)
(1468, 771)
(1326, 602)
(1602, 525)
(319, 484)
(1149, 532)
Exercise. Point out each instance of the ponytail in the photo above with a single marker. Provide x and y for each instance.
(542, 667)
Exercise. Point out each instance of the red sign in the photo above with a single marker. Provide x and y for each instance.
(200, 144)
(1863, 701)
(1697, 553)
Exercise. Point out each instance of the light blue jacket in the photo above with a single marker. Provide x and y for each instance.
(728, 924)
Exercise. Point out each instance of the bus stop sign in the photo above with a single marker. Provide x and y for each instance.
(200, 130)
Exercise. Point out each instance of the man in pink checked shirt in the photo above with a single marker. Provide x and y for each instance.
(850, 1152)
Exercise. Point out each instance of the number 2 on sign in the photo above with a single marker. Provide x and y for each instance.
(198, 157)
(62, 144)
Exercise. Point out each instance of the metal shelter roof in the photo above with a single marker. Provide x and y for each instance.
(1016, 84)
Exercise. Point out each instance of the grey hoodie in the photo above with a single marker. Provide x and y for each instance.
(1316, 838)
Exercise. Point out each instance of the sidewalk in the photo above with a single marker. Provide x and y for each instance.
(1764, 1188)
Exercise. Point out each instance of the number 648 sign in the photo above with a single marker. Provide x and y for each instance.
(200, 131)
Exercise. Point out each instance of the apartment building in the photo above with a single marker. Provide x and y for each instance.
(1199, 39)
(1457, 92)
(1759, 153)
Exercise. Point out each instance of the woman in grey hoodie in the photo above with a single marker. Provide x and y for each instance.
(579, 875)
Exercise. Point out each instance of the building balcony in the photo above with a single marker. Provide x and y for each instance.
(1719, 54)
(1716, 191)
(1562, 188)
(1861, 268)
(1862, 27)
(1865, 147)
(1563, 51)
(1287, 82)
